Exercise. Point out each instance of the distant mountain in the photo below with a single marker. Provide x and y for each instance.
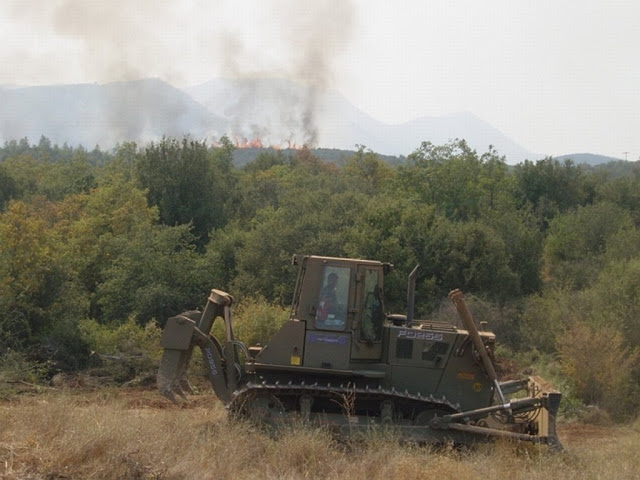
(588, 158)
(89, 114)
(251, 111)
(464, 125)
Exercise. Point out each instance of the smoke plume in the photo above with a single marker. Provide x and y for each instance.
(242, 41)
(310, 36)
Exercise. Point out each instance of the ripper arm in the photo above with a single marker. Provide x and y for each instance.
(185, 331)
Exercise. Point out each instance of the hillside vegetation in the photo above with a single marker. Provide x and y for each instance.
(97, 249)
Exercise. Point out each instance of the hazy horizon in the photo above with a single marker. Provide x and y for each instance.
(555, 77)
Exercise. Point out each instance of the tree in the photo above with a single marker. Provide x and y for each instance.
(123, 162)
(462, 185)
(13, 148)
(40, 299)
(67, 176)
(301, 207)
(49, 171)
(186, 183)
(613, 300)
(478, 262)
(470, 256)
(550, 187)
(25, 174)
(365, 171)
(265, 160)
(155, 275)
(623, 192)
(577, 240)
(8, 188)
(523, 244)
(96, 227)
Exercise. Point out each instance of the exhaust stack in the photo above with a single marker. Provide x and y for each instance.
(411, 294)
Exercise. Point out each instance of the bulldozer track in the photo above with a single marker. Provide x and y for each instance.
(417, 402)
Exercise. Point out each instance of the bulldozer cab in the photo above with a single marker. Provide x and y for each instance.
(341, 302)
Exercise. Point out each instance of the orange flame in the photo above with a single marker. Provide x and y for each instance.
(244, 142)
(259, 143)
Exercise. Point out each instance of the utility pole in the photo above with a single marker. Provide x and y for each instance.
(626, 156)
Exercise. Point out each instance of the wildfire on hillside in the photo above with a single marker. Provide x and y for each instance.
(244, 142)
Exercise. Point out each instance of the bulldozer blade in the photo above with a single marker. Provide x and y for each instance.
(546, 422)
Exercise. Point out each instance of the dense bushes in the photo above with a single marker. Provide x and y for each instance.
(600, 366)
(97, 249)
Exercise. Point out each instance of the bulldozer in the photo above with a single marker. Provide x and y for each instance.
(342, 361)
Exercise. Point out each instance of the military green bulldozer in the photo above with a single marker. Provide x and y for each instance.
(342, 361)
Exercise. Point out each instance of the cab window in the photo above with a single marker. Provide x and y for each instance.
(372, 315)
(331, 312)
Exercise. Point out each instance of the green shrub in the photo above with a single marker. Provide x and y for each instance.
(545, 317)
(255, 321)
(65, 348)
(124, 352)
(599, 367)
(17, 367)
(546, 365)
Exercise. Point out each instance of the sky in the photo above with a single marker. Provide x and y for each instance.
(557, 77)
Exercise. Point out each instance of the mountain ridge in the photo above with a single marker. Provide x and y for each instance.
(275, 111)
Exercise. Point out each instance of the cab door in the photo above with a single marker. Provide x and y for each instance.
(369, 314)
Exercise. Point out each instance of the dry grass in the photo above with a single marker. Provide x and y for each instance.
(123, 434)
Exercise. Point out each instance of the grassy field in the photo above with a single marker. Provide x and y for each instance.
(136, 434)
